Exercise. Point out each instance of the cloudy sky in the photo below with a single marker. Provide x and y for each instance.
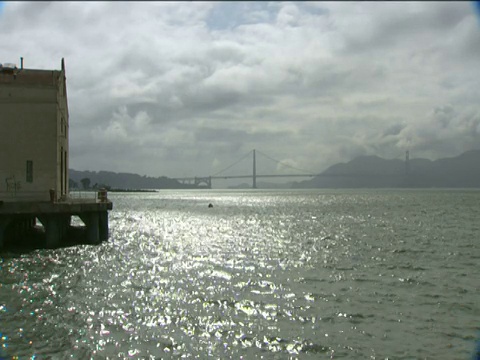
(188, 88)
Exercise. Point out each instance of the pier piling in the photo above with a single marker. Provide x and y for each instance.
(17, 219)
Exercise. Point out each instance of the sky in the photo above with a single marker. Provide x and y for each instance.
(184, 89)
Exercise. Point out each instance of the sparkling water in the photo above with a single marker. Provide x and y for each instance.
(307, 274)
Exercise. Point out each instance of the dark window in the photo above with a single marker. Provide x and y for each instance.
(29, 171)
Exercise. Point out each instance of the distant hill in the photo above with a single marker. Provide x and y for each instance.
(462, 171)
(126, 180)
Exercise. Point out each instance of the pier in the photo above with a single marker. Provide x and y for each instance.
(19, 218)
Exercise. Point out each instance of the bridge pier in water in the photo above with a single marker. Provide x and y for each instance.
(203, 180)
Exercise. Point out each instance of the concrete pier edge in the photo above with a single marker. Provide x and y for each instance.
(18, 218)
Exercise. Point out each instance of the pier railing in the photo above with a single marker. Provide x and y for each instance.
(83, 194)
(86, 195)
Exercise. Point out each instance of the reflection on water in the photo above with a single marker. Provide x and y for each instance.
(278, 274)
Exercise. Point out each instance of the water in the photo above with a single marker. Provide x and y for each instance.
(313, 274)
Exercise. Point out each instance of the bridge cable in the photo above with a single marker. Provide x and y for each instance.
(228, 167)
(284, 164)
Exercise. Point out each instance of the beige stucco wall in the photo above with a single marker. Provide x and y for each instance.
(62, 135)
(31, 129)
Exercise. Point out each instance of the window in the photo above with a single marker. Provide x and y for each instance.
(29, 171)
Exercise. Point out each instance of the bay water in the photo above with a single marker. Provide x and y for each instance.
(263, 274)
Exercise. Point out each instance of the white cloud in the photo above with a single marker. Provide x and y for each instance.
(194, 86)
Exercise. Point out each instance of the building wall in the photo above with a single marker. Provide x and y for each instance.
(62, 130)
(34, 128)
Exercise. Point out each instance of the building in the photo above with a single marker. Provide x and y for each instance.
(34, 136)
(34, 155)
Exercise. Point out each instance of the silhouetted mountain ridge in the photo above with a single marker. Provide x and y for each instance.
(126, 180)
(462, 171)
(367, 165)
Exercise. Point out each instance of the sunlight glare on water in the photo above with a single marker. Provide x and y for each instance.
(272, 274)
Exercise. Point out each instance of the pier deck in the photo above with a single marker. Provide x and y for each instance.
(19, 217)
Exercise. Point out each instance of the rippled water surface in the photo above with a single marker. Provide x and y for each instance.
(364, 274)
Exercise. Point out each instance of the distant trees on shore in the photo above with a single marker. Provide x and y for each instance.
(86, 182)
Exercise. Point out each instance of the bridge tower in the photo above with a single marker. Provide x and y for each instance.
(254, 182)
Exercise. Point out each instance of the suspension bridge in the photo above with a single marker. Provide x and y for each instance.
(206, 181)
